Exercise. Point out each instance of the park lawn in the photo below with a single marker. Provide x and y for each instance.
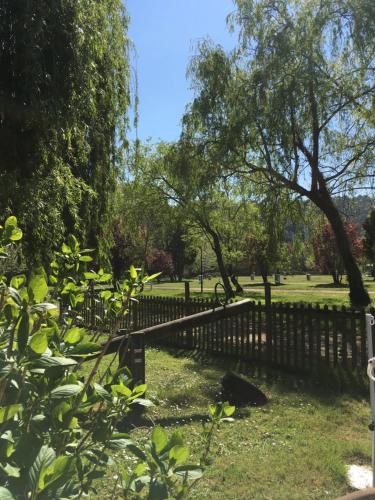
(293, 289)
(295, 447)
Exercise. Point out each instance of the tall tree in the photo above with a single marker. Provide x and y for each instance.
(64, 94)
(294, 104)
(146, 218)
(184, 177)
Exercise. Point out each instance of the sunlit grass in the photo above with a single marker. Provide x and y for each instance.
(295, 447)
(319, 290)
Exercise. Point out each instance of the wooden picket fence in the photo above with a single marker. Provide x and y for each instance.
(291, 336)
(148, 311)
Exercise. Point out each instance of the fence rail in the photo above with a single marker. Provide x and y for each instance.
(292, 336)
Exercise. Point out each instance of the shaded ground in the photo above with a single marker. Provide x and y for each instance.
(295, 447)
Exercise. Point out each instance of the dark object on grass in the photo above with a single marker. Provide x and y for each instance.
(239, 391)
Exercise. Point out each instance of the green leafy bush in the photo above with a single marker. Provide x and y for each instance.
(57, 427)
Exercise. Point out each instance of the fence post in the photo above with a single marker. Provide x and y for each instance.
(187, 291)
(267, 298)
(134, 306)
(132, 354)
(189, 332)
(92, 305)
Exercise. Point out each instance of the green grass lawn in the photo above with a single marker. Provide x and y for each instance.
(295, 447)
(319, 290)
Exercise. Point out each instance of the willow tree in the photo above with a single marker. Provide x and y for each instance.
(294, 103)
(63, 99)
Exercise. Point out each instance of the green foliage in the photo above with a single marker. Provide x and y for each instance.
(63, 98)
(285, 109)
(163, 471)
(57, 427)
(50, 445)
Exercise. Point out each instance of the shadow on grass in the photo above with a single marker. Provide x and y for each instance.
(139, 419)
(325, 384)
(332, 285)
(261, 285)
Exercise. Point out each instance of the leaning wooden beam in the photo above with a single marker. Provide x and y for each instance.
(198, 319)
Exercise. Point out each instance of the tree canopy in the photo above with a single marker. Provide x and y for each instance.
(64, 94)
(292, 106)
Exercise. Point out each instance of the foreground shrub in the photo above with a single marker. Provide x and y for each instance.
(56, 427)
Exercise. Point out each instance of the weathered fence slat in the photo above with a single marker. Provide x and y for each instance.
(288, 335)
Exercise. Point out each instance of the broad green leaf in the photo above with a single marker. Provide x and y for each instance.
(7, 436)
(150, 278)
(15, 234)
(133, 273)
(141, 388)
(38, 342)
(10, 222)
(101, 391)
(159, 439)
(175, 440)
(212, 410)
(228, 410)
(106, 294)
(73, 243)
(85, 258)
(65, 391)
(18, 281)
(121, 389)
(137, 451)
(65, 249)
(8, 412)
(48, 361)
(105, 277)
(23, 331)
(140, 469)
(11, 231)
(44, 458)
(43, 307)
(85, 349)
(5, 494)
(60, 410)
(39, 418)
(179, 454)
(192, 472)
(11, 471)
(91, 276)
(38, 288)
(60, 470)
(74, 335)
(15, 295)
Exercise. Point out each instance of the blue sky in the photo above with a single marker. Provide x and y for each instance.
(164, 33)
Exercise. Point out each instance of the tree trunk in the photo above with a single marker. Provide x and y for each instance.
(358, 294)
(263, 268)
(220, 262)
(335, 277)
(234, 280)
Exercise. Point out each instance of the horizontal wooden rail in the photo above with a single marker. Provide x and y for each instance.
(198, 319)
